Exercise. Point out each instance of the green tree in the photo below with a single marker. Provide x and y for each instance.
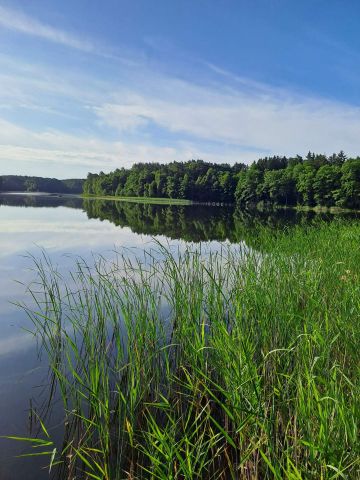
(280, 187)
(227, 184)
(326, 185)
(31, 185)
(249, 186)
(304, 174)
(337, 158)
(171, 187)
(152, 189)
(160, 180)
(349, 193)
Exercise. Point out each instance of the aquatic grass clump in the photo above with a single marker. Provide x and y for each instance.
(236, 364)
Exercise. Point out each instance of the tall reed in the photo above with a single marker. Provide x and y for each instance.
(240, 364)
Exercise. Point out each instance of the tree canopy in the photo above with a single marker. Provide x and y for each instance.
(313, 180)
(19, 183)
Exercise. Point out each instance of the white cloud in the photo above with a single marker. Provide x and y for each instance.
(53, 148)
(124, 117)
(38, 88)
(18, 21)
(282, 123)
(227, 121)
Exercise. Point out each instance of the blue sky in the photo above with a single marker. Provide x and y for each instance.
(90, 85)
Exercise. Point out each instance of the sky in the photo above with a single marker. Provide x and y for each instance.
(90, 85)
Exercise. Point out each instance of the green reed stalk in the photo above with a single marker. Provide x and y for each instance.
(236, 364)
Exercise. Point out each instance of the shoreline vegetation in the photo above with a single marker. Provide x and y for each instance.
(150, 200)
(314, 181)
(261, 207)
(182, 201)
(240, 363)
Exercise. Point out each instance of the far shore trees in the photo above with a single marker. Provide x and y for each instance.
(22, 183)
(315, 180)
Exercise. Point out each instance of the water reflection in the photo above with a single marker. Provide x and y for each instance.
(40, 200)
(192, 223)
(196, 223)
(72, 225)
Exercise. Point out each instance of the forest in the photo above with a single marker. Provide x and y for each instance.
(19, 183)
(314, 180)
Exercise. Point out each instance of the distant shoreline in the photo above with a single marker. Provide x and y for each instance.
(184, 202)
(42, 194)
(149, 200)
(179, 201)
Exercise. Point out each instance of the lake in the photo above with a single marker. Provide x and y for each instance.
(66, 227)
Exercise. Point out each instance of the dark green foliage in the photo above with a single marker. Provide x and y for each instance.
(316, 180)
(349, 193)
(74, 185)
(18, 183)
(326, 184)
(194, 180)
(313, 181)
(279, 187)
(248, 187)
(304, 175)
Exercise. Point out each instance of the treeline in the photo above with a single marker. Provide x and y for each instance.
(19, 183)
(314, 180)
(194, 180)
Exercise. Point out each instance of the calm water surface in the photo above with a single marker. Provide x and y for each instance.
(66, 227)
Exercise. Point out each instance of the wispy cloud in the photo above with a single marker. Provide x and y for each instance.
(19, 21)
(262, 118)
(16, 20)
(52, 148)
(24, 84)
(144, 115)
